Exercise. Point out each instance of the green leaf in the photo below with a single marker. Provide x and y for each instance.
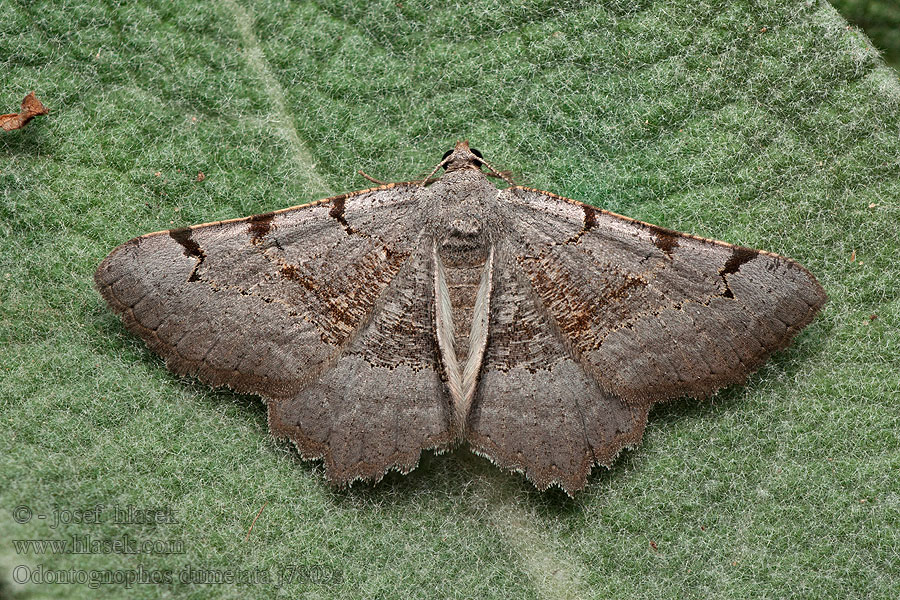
(768, 123)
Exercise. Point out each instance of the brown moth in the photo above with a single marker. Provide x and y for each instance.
(412, 316)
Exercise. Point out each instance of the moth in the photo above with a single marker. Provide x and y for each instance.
(424, 315)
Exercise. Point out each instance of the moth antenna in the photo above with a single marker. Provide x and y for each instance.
(435, 170)
(497, 173)
(504, 175)
(372, 179)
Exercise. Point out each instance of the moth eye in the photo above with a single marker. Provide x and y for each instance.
(446, 154)
(476, 152)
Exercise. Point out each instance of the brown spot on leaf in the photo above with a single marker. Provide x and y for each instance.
(200, 176)
(31, 107)
(260, 225)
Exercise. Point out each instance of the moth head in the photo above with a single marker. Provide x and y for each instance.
(462, 157)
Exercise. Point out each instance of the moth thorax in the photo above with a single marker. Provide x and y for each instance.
(464, 242)
(466, 227)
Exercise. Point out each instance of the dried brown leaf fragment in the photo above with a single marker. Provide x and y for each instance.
(31, 107)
